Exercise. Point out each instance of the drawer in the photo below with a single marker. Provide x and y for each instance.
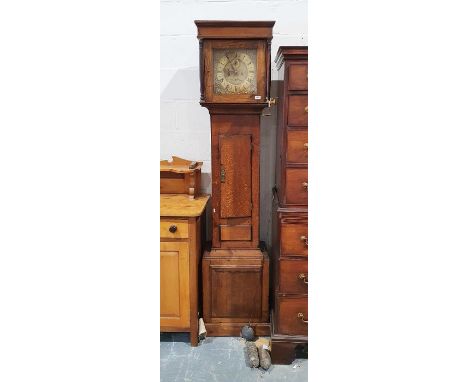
(297, 78)
(294, 239)
(296, 186)
(297, 110)
(292, 314)
(180, 228)
(293, 276)
(297, 146)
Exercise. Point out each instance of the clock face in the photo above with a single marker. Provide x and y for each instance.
(235, 71)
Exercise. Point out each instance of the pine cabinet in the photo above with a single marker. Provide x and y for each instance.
(181, 231)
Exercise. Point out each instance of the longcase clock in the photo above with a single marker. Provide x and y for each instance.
(234, 87)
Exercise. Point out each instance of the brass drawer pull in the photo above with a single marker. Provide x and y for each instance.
(306, 109)
(304, 239)
(306, 146)
(303, 277)
(172, 228)
(305, 185)
(301, 316)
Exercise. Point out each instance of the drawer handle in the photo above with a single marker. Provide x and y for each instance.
(305, 185)
(304, 239)
(172, 228)
(306, 109)
(306, 146)
(301, 316)
(303, 277)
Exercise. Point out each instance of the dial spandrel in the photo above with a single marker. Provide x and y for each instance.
(235, 71)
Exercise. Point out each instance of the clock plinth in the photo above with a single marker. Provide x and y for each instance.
(234, 87)
(235, 291)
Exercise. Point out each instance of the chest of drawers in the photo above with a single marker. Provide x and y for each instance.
(181, 231)
(290, 244)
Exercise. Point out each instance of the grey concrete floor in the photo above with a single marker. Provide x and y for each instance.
(218, 359)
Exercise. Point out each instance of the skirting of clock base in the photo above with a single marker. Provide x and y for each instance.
(233, 329)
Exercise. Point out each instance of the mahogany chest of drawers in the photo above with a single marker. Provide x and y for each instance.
(290, 237)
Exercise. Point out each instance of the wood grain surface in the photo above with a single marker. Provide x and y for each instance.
(182, 205)
(174, 282)
(236, 185)
(297, 146)
(297, 114)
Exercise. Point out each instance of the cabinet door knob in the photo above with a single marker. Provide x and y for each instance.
(306, 145)
(301, 316)
(306, 109)
(172, 228)
(305, 240)
(303, 277)
(305, 185)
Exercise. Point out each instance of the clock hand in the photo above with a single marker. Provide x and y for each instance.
(229, 63)
(228, 58)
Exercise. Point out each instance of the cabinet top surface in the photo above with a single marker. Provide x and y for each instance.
(180, 205)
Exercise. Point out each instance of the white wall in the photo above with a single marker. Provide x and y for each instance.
(185, 125)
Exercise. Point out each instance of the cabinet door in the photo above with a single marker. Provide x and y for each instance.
(236, 175)
(174, 276)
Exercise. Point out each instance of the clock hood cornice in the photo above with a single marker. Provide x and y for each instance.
(225, 29)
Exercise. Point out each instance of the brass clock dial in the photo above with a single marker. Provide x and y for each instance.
(235, 71)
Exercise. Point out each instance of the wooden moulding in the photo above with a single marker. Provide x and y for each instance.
(290, 53)
(180, 176)
(223, 29)
(233, 329)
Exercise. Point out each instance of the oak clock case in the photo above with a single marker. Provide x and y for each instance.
(234, 87)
